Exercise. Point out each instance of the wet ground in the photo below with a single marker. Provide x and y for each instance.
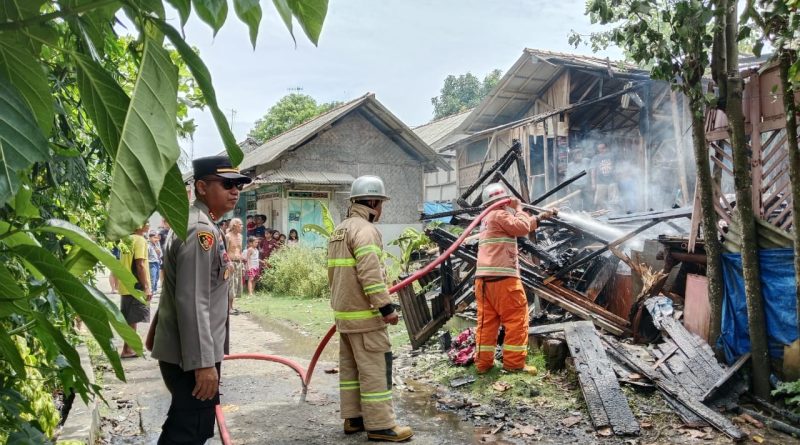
(262, 405)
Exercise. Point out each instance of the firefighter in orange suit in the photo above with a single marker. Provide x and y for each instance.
(362, 309)
(498, 289)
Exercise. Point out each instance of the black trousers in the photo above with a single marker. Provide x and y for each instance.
(189, 421)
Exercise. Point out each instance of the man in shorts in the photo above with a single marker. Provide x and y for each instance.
(134, 257)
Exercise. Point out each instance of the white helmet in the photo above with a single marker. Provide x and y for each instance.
(368, 187)
(493, 192)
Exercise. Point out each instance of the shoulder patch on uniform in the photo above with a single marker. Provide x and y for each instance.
(338, 234)
(206, 240)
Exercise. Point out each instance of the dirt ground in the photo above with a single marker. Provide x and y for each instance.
(261, 401)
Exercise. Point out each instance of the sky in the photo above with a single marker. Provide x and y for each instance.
(401, 50)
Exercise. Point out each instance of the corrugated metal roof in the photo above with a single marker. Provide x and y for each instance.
(387, 122)
(530, 76)
(437, 133)
(286, 176)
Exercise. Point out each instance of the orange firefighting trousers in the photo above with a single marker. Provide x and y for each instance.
(501, 301)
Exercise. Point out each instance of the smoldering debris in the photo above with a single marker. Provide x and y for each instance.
(592, 276)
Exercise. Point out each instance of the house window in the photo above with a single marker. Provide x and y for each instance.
(476, 151)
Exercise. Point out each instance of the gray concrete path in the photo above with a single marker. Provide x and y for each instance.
(261, 400)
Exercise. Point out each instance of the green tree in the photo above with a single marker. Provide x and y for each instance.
(289, 112)
(462, 92)
(89, 126)
(678, 40)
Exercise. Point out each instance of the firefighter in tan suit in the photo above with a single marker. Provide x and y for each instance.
(362, 309)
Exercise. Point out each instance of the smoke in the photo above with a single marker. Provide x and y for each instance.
(634, 181)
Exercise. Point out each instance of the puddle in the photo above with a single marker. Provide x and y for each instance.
(417, 408)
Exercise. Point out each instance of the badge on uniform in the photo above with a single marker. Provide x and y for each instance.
(206, 240)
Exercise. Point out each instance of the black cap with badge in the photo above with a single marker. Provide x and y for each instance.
(218, 166)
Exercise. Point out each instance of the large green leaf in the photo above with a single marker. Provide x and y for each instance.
(18, 10)
(213, 12)
(148, 146)
(104, 100)
(22, 204)
(93, 25)
(311, 15)
(92, 313)
(9, 289)
(184, 7)
(203, 78)
(286, 15)
(173, 203)
(79, 261)
(9, 353)
(20, 239)
(21, 140)
(26, 73)
(117, 320)
(82, 240)
(65, 348)
(249, 12)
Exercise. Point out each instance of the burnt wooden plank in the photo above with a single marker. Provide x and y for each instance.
(687, 416)
(607, 404)
(715, 419)
(704, 367)
(726, 376)
(694, 355)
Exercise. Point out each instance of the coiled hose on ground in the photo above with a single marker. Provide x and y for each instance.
(306, 374)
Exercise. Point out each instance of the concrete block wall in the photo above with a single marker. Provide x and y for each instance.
(356, 147)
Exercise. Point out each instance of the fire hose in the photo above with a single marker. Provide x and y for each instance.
(306, 374)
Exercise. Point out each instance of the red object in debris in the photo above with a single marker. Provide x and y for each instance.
(621, 300)
(462, 352)
(697, 309)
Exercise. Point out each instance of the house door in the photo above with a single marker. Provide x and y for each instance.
(307, 209)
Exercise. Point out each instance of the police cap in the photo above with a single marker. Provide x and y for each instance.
(217, 166)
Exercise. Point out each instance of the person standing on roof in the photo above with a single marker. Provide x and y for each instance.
(498, 289)
(362, 309)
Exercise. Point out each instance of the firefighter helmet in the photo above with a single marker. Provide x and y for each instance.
(493, 192)
(368, 187)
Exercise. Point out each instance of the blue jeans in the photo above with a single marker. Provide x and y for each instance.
(155, 267)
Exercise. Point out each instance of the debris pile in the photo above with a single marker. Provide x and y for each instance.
(589, 289)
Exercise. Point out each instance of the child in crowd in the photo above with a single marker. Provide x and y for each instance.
(292, 238)
(253, 264)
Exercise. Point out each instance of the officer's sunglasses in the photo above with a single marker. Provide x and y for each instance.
(227, 183)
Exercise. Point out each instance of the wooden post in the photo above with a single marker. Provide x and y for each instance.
(676, 127)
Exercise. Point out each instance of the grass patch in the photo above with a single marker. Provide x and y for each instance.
(313, 316)
(555, 390)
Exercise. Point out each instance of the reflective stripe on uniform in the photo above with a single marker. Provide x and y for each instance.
(515, 348)
(497, 269)
(348, 384)
(485, 348)
(372, 397)
(341, 262)
(363, 250)
(375, 288)
(356, 315)
(497, 241)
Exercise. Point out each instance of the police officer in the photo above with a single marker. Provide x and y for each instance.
(362, 308)
(190, 334)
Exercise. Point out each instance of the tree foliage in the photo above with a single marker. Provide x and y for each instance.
(290, 111)
(462, 92)
(89, 124)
